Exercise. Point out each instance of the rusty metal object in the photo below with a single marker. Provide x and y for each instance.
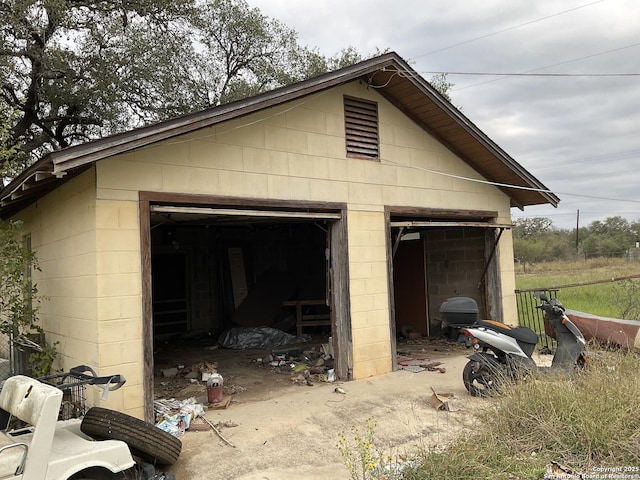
(605, 330)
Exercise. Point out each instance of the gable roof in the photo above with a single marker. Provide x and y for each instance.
(391, 76)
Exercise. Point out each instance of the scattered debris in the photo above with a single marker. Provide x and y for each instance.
(304, 367)
(205, 368)
(164, 476)
(224, 403)
(215, 388)
(303, 364)
(443, 401)
(555, 470)
(339, 390)
(301, 379)
(175, 416)
(170, 372)
(233, 389)
(417, 365)
(213, 427)
(198, 427)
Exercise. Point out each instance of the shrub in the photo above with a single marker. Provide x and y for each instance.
(19, 299)
(584, 420)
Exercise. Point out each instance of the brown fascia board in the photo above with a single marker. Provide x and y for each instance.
(62, 161)
(99, 149)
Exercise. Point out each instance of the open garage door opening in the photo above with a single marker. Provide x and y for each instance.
(435, 259)
(247, 287)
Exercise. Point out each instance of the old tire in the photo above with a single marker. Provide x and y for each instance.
(479, 379)
(144, 439)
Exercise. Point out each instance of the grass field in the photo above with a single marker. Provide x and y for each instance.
(585, 420)
(604, 299)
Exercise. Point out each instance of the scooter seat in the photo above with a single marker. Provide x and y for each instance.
(521, 334)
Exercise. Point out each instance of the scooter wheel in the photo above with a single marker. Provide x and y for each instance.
(479, 380)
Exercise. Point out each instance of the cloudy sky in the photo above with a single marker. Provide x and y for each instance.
(575, 125)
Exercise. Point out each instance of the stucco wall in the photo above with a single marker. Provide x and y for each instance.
(294, 152)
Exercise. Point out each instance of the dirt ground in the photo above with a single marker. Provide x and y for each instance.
(274, 428)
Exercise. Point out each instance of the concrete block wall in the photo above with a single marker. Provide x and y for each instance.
(298, 153)
(455, 262)
(292, 152)
(62, 229)
(369, 288)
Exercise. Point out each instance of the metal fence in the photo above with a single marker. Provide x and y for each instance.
(5, 358)
(532, 317)
(14, 356)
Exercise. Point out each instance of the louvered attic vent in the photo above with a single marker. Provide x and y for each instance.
(361, 125)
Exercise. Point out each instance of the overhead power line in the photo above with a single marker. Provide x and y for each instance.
(554, 65)
(504, 74)
(509, 185)
(506, 29)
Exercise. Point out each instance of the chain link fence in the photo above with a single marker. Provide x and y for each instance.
(14, 356)
(5, 358)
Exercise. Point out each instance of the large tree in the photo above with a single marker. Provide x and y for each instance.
(53, 55)
(612, 237)
(74, 70)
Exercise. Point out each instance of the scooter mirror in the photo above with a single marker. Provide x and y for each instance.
(541, 295)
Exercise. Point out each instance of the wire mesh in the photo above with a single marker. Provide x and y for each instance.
(73, 394)
(5, 358)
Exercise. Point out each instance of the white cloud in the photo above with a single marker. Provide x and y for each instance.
(578, 135)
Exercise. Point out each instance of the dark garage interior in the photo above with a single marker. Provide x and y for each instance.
(216, 273)
(431, 265)
(211, 273)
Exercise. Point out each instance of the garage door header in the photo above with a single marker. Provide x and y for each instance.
(245, 212)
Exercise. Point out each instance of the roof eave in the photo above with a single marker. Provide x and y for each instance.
(61, 162)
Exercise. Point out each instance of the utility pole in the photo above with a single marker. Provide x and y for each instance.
(577, 227)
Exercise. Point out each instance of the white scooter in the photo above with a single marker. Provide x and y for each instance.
(505, 352)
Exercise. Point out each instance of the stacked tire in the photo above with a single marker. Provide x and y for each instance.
(144, 439)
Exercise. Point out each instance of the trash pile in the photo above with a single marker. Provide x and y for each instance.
(304, 366)
(240, 338)
(175, 416)
(417, 365)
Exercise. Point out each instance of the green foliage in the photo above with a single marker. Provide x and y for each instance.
(12, 157)
(53, 59)
(536, 240)
(19, 299)
(359, 453)
(41, 360)
(73, 71)
(605, 299)
(626, 295)
(528, 251)
(582, 420)
(18, 296)
(365, 460)
(441, 83)
(532, 227)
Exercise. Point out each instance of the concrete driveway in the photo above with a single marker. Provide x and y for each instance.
(295, 433)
